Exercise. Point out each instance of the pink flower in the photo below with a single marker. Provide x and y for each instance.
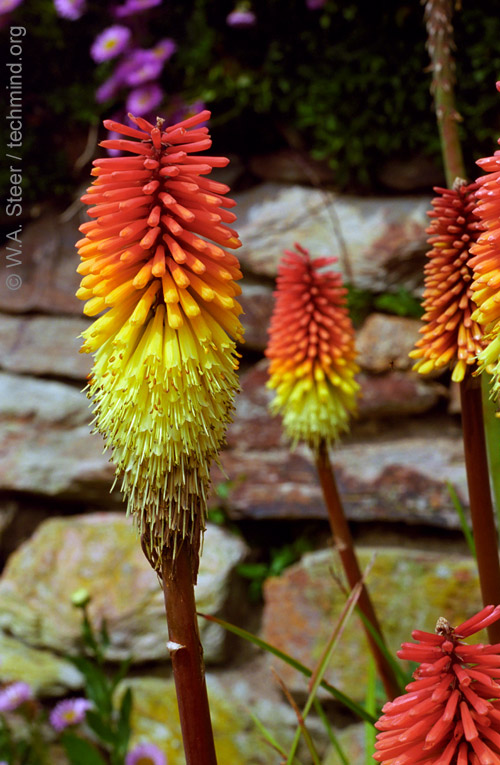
(69, 9)
(13, 695)
(314, 5)
(109, 88)
(135, 6)
(69, 712)
(145, 754)
(241, 17)
(6, 6)
(164, 49)
(141, 66)
(141, 100)
(110, 43)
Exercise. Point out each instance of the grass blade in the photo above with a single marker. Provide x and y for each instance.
(331, 735)
(320, 670)
(463, 520)
(371, 706)
(358, 709)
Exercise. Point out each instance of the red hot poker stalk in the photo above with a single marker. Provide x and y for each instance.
(450, 337)
(451, 713)
(163, 381)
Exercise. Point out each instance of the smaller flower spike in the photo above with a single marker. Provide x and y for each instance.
(311, 347)
(451, 338)
(451, 713)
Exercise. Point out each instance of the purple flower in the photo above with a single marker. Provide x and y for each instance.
(69, 9)
(145, 754)
(141, 100)
(141, 66)
(164, 49)
(108, 89)
(110, 43)
(6, 6)
(313, 5)
(241, 17)
(135, 6)
(13, 695)
(69, 712)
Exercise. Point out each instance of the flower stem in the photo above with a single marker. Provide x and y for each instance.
(345, 546)
(481, 506)
(438, 15)
(187, 658)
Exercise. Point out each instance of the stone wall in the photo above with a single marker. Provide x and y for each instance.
(62, 528)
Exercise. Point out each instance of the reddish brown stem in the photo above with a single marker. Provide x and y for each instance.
(481, 505)
(187, 658)
(345, 546)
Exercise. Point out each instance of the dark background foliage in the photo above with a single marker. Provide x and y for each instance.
(347, 84)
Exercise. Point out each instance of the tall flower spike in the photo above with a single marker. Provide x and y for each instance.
(164, 375)
(311, 347)
(450, 336)
(451, 713)
(486, 264)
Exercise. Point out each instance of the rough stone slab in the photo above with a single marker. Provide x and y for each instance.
(44, 345)
(237, 740)
(257, 303)
(384, 342)
(352, 742)
(410, 590)
(101, 552)
(384, 237)
(397, 394)
(396, 473)
(48, 268)
(46, 673)
(46, 446)
(403, 481)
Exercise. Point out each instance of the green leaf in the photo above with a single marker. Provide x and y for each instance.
(267, 735)
(331, 734)
(80, 751)
(120, 674)
(100, 728)
(463, 520)
(124, 721)
(402, 303)
(96, 683)
(371, 706)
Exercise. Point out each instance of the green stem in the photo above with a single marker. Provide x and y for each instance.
(481, 506)
(438, 15)
(187, 657)
(492, 431)
(345, 547)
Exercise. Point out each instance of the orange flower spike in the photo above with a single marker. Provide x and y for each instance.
(451, 712)
(311, 347)
(451, 336)
(486, 264)
(164, 375)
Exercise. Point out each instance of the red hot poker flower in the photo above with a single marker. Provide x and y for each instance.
(311, 347)
(451, 713)
(450, 336)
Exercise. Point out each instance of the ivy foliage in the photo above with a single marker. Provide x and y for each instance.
(347, 83)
